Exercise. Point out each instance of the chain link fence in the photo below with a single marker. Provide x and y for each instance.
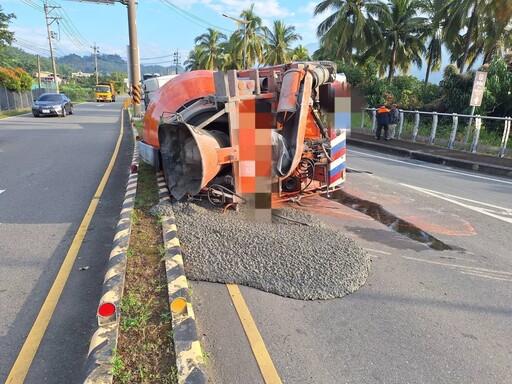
(10, 100)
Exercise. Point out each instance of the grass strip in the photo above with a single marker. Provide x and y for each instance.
(145, 351)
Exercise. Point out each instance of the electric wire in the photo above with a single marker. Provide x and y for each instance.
(154, 58)
(191, 17)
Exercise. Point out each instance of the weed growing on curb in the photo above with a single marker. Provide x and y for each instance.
(145, 351)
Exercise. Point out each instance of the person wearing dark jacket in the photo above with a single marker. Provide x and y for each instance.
(394, 117)
(383, 118)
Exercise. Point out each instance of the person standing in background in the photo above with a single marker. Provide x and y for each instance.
(383, 117)
(394, 116)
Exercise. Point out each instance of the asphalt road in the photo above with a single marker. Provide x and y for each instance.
(423, 316)
(50, 170)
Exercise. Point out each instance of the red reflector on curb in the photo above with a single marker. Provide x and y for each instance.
(133, 168)
(106, 310)
(137, 138)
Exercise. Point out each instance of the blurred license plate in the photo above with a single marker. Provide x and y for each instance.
(46, 111)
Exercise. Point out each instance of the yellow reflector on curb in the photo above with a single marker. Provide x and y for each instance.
(179, 305)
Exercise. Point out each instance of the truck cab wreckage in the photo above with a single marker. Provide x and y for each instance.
(257, 136)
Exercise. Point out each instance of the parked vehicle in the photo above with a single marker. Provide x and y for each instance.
(152, 85)
(105, 92)
(52, 104)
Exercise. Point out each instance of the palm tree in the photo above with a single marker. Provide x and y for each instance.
(230, 57)
(255, 37)
(349, 27)
(433, 33)
(492, 36)
(300, 53)
(194, 59)
(210, 45)
(402, 36)
(462, 15)
(279, 40)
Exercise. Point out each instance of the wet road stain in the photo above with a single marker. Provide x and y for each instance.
(377, 212)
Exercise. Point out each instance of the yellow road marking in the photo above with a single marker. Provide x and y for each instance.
(259, 350)
(26, 356)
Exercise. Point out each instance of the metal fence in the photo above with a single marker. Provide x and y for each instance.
(16, 100)
(454, 131)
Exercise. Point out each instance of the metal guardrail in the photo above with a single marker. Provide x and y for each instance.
(451, 142)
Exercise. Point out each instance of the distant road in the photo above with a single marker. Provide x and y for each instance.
(50, 168)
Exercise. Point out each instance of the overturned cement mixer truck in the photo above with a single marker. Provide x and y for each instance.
(259, 135)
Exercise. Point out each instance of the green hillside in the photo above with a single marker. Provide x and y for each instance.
(107, 64)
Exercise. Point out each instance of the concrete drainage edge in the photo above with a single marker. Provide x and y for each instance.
(98, 366)
(189, 356)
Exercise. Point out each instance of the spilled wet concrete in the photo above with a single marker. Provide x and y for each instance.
(293, 256)
(377, 212)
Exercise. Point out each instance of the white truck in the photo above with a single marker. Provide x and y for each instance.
(152, 85)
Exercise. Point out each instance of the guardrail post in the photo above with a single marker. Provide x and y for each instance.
(401, 127)
(478, 125)
(416, 125)
(504, 139)
(374, 121)
(454, 131)
(434, 128)
(362, 119)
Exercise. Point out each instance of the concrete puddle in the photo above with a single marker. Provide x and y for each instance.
(377, 212)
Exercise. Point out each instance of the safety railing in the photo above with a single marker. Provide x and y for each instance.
(454, 131)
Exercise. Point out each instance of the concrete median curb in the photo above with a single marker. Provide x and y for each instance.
(189, 356)
(98, 368)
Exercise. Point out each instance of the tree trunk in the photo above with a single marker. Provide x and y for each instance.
(429, 65)
(392, 63)
(467, 40)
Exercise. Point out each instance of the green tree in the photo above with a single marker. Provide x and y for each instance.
(300, 53)
(456, 90)
(462, 15)
(433, 33)
(402, 36)
(6, 36)
(255, 38)
(193, 61)
(211, 52)
(350, 27)
(497, 100)
(279, 40)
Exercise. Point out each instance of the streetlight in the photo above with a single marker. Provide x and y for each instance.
(245, 23)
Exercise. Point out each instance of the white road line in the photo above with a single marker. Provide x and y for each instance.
(485, 276)
(451, 198)
(483, 272)
(376, 251)
(2, 190)
(433, 168)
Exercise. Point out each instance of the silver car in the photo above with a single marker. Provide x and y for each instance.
(52, 104)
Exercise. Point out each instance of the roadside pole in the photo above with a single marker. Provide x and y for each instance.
(476, 98)
(134, 58)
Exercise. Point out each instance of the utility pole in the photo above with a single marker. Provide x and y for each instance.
(38, 72)
(133, 49)
(134, 58)
(96, 51)
(176, 60)
(47, 10)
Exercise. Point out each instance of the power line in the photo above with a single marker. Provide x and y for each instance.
(33, 4)
(191, 17)
(154, 58)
